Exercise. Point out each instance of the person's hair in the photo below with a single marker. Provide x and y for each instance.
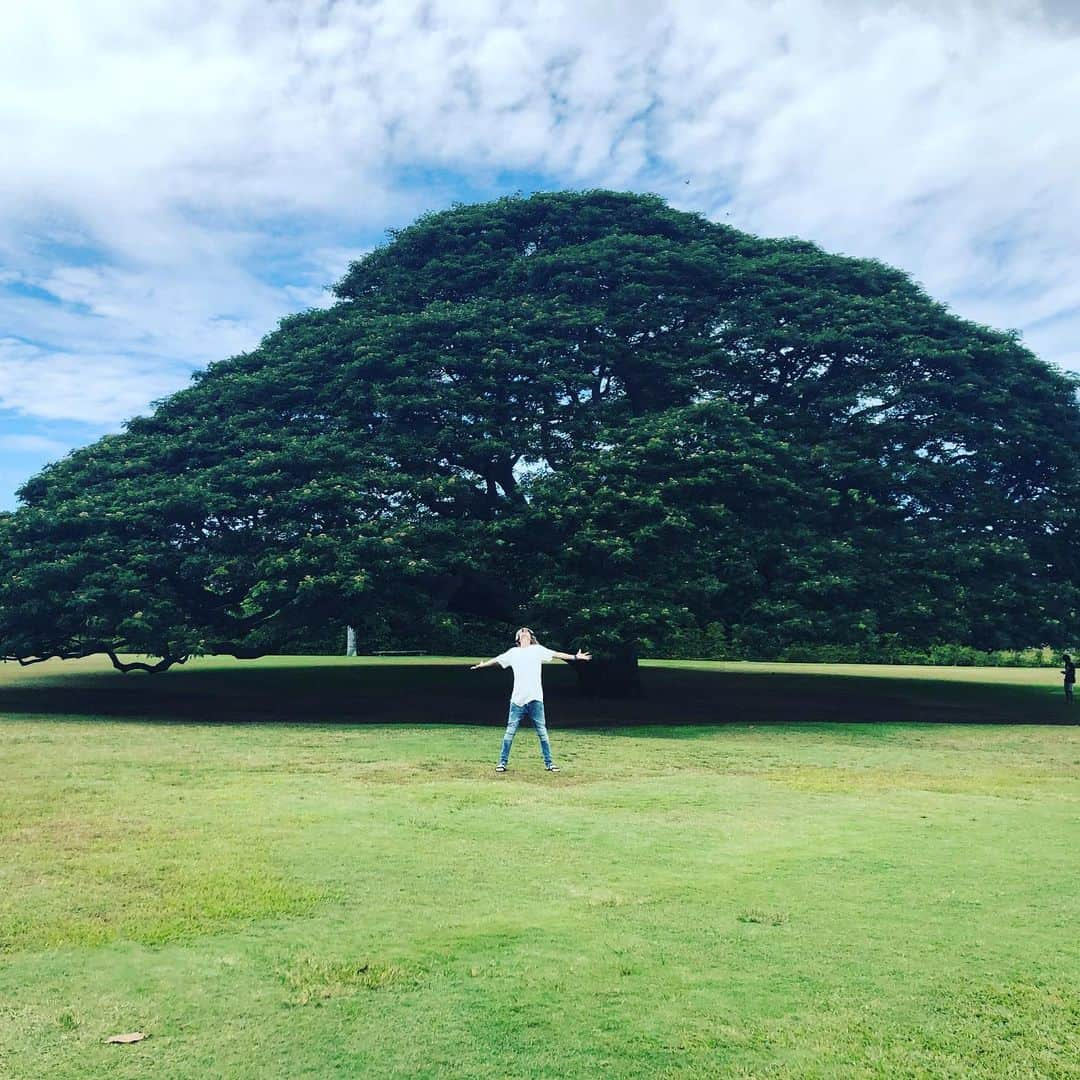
(528, 631)
(1064, 655)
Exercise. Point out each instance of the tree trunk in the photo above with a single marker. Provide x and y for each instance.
(614, 675)
(350, 641)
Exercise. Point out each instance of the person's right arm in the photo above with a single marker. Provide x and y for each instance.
(485, 663)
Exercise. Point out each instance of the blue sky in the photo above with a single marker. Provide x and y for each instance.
(179, 176)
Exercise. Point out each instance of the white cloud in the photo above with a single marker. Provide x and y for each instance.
(217, 164)
(91, 388)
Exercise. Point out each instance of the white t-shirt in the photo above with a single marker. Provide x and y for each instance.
(526, 663)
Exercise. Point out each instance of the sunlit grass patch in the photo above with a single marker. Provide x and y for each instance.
(98, 884)
(967, 780)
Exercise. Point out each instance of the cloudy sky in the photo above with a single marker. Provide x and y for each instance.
(178, 175)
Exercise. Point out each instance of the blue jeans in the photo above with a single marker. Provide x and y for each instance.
(534, 710)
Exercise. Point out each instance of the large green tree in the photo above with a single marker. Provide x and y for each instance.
(585, 407)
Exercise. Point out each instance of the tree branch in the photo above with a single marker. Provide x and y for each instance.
(25, 661)
(163, 664)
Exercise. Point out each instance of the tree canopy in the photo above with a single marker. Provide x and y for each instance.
(584, 408)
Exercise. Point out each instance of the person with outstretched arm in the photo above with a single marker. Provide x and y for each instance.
(527, 697)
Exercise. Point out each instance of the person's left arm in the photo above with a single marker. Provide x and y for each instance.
(579, 655)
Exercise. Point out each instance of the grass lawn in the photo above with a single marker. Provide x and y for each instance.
(747, 880)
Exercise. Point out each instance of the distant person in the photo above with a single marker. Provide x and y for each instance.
(527, 697)
(1069, 671)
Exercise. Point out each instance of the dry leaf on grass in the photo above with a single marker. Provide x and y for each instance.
(130, 1037)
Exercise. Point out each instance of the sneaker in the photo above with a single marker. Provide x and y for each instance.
(552, 768)
(500, 768)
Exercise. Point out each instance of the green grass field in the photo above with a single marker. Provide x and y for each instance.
(307, 868)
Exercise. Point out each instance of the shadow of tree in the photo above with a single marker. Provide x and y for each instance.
(331, 692)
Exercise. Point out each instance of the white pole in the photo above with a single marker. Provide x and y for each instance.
(350, 641)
